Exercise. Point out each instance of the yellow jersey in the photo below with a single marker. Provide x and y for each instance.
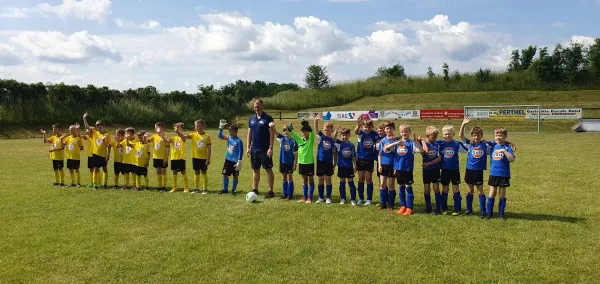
(177, 148)
(200, 144)
(141, 153)
(160, 147)
(128, 151)
(117, 151)
(89, 145)
(100, 144)
(56, 142)
(73, 147)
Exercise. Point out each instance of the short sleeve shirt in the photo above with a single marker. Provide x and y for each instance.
(260, 131)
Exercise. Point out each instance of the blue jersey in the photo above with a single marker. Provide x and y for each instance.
(499, 164)
(404, 160)
(235, 147)
(477, 157)
(366, 145)
(346, 154)
(387, 157)
(449, 152)
(260, 131)
(288, 148)
(433, 151)
(325, 148)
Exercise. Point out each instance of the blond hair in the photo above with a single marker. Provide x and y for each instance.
(431, 130)
(501, 130)
(404, 126)
(368, 123)
(327, 125)
(448, 128)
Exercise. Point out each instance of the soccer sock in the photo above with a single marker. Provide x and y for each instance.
(284, 188)
(175, 183)
(127, 180)
(147, 181)
(97, 178)
(91, 178)
(311, 191)
(196, 181)
(361, 191)
(305, 191)
(77, 178)
(185, 182)
(391, 198)
(234, 185)
(402, 195)
(164, 181)
(482, 204)
(105, 178)
(205, 181)
(490, 205)
(457, 202)
(383, 194)
(469, 199)
(116, 179)
(290, 189)
(342, 190)
(410, 197)
(321, 188)
(370, 191)
(352, 190)
(72, 175)
(501, 207)
(61, 175)
(427, 197)
(444, 201)
(138, 181)
(329, 189)
(438, 202)
(225, 184)
(158, 180)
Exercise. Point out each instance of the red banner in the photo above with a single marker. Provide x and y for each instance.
(443, 114)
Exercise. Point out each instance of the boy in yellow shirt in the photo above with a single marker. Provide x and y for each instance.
(89, 149)
(160, 155)
(142, 155)
(201, 151)
(73, 145)
(117, 155)
(178, 157)
(56, 153)
(101, 140)
(128, 155)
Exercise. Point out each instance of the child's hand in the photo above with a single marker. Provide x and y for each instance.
(467, 120)
(146, 135)
(85, 115)
(380, 168)
(426, 164)
(77, 125)
(419, 138)
(165, 161)
(359, 120)
(43, 131)
(319, 116)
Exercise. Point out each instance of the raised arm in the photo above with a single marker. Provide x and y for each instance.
(424, 146)
(418, 144)
(85, 122)
(179, 130)
(462, 128)
(220, 134)
(359, 123)
(44, 136)
(316, 122)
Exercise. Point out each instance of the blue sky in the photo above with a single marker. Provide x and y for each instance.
(132, 43)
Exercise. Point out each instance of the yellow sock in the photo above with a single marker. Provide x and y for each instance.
(116, 180)
(72, 175)
(105, 177)
(147, 181)
(56, 177)
(91, 177)
(196, 181)
(205, 181)
(77, 177)
(61, 176)
(164, 180)
(127, 180)
(185, 182)
(97, 178)
(159, 180)
(174, 180)
(138, 180)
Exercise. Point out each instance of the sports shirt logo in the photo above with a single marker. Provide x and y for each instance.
(200, 144)
(326, 145)
(368, 143)
(286, 146)
(477, 152)
(498, 155)
(448, 152)
(402, 150)
(432, 153)
(346, 152)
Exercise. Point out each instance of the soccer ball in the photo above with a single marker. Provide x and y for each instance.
(251, 197)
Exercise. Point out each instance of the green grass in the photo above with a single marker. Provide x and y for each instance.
(62, 235)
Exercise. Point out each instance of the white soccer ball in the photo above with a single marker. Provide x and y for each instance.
(251, 196)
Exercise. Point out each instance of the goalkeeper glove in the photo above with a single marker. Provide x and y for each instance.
(222, 123)
(238, 166)
(289, 127)
(306, 126)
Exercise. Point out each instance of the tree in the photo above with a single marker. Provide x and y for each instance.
(446, 71)
(527, 56)
(316, 77)
(515, 61)
(593, 57)
(396, 71)
(483, 75)
(574, 61)
(543, 66)
(430, 73)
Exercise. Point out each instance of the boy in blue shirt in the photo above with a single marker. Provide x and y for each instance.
(366, 155)
(387, 193)
(449, 149)
(288, 161)
(431, 170)
(233, 156)
(325, 158)
(501, 157)
(346, 163)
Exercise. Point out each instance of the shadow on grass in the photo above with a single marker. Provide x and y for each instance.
(544, 217)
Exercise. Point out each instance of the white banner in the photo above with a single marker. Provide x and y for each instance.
(555, 113)
(400, 114)
(340, 115)
(478, 113)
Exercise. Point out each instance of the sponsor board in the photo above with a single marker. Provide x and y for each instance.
(340, 115)
(442, 114)
(478, 113)
(399, 114)
(507, 114)
(555, 113)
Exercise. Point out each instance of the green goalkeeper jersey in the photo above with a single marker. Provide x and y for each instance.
(305, 148)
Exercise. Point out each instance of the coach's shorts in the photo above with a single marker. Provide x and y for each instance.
(178, 165)
(128, 168)
(90, 162)
(404, 177)
(431, 176)
(73, 164)
(199, 164)
(345, 172)
(229, 169)
(286, 168)
(259, 158)
(474, 177)
(499, 181)
(365, 165)
(324, 169)
(119, 168)
(450, 176)
(99, 162)
(58, 164)
(159, 164)
(306, 169)
(387, 170)
(141, 171)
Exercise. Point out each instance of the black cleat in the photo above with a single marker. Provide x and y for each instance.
(270, 194)
(223, 192)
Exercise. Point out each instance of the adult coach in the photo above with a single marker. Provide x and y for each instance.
(260, 146)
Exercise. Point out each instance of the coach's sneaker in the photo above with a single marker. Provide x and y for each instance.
(408, 212)
(401, 210)
(368, 203)
(223, 192)
(255, 191)
(270, 194)
(301, 200)
(456, 213)
(328, 201)
(204, 191)
(308, 201)
(352, 202)
(342, 201)
(320, 200)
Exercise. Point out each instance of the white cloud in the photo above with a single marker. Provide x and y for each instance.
(13, 13)
(148, 25)
(50, 68)
(8, 56)
(95, 10)
(585, 40)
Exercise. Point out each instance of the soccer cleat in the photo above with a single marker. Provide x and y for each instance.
(502, 218)
(223, 192)
(195, 191)
(270, 194)
(61, 184)
(408, 212)
(481, 215)
(428, 211)
(115, 186)
(382, 207)
(343, 201)
(173, 189)
(368, 203)
(135, 188)
(455, 213)
(308, 201)
(353, 203)
(435, 214)
(71, 185)
(328, 201)
(301, 200)
(90, 185)
(283, 197)
(78, 186)
(320, 200)
(95, 188)
(186, 190)
(106, 186)
(204, 191)
(467, 213)
(487, 217)
(402, 210)
(360, 202)
(445, 213)
(390, 209)
(55, 184)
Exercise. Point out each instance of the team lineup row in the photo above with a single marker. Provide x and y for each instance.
(394, 157)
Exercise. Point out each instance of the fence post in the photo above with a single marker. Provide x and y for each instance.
(280, 116)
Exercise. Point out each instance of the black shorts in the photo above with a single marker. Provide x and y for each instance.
(58, 164)
(178, 165)
(499, 181)
(324, 169)
(286, 168)
(365, 165)
(474, 177)
(128, 169)
(90, 162)
(159, 164)
(73, 164)
(404, 177)
(199, 164)
(229, 169)
(345, 172)
(306, 169)
(141, 171)
(377, 168)
(119, 168)
(259, 158)
(450, 176)
(99, 162)
(431, 176)
(387, 170)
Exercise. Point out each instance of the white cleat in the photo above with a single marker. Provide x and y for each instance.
(320, 200)
(328, 201)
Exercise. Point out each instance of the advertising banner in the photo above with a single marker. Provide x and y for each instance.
(340, 115)
(555, 113)
(507, 114)
(442, 114)
(399, 114)
(478, 113)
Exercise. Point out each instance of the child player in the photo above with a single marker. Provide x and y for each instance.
(128, 166)
(201, 151)
(431, 170)
(325, 158)
(89, 149)
(178, 157)
(288, 160)
(101, 140)
(160, 155)
(117, 155)
(346, 162)
(233, 156)
(366, 156)
(142, 158)
(449, 149)
(387, 193)
(501, 157)
(73, 145)
(380, 135)
(306, 160)
(56, 153)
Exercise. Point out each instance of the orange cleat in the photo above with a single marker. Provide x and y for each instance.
(408, 212)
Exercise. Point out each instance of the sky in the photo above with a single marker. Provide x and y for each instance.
(178, 45)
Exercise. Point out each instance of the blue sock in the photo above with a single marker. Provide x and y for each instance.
(402, 195)
(427, 197)
(482, 204)
(444, 201)
(305, 191)
(370, 191)
(490, 206)
(438, 202)
(501, 207)
(410, 197)
(290, 190)
(225, 184)
(284, 187)
(391, 198)
(329, 189)
(321, 188)
(383, 194)
(361, 191)
(342, 190)
(457, 202)
(469, 199)
(311, 191)
(234, 185)
(352, 190)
